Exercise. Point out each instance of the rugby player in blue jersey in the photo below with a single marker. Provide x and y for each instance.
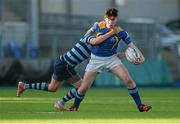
(104, 56)
(64, 70)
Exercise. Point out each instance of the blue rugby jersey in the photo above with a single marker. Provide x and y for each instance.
(109, 46)
(80, 52)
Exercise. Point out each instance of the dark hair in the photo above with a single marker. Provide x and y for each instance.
(111, 12)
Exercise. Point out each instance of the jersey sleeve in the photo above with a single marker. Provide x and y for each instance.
(125, 37)
(95, 27)
(87, 39)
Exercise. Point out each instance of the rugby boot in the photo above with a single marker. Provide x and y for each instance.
(60, 107)
(21, 88)
(73, 108)
(144, 108)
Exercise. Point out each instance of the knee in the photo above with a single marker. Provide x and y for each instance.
(128, 81)
(52, 89)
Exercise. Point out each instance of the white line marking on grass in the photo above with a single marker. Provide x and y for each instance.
(87, 101)
(95, 121)
(101, 98)
(51, 112)
(25, 99)
(26, 102)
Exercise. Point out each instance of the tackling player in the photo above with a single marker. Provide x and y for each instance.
(64, 70)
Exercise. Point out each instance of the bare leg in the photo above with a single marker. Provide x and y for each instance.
(88, 79)
(123, 74)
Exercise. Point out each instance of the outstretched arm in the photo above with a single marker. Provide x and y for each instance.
(89, 32)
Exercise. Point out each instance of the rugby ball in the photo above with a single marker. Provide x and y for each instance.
(131, 55)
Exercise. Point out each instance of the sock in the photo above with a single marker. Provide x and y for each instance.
(78, 100)
(71, 94)
(135, 95)
(37, 86)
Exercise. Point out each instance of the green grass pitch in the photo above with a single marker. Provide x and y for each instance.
(100, 106)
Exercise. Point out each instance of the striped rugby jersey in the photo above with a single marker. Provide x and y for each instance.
(80, 52)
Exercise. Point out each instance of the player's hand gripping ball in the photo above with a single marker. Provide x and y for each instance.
(133, 56)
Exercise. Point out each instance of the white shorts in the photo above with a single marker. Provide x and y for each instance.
(97, 64)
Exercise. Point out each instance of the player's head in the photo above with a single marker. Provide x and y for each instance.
(111, 17)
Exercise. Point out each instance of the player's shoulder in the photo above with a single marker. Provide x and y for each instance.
(101, 24)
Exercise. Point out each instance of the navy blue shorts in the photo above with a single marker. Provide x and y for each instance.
(62, 71)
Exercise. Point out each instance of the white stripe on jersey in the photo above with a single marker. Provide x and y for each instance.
(82, 49)
(127, 35)
(72, 58)
(69, 62)
(79, 55)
